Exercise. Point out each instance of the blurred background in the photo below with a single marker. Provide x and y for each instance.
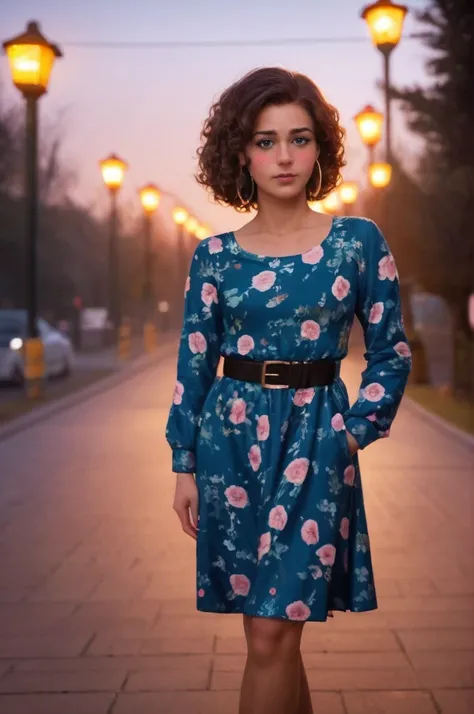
(100, 215)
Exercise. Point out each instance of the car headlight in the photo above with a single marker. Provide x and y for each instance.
(16, 343)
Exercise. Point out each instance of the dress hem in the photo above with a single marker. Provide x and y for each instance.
(254, 613)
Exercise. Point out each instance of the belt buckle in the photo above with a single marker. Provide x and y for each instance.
(269, 374)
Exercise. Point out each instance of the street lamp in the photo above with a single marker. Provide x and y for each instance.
(332, 202)
(369, 123)
(385, 21)
(348, 192)
(317, 206)
(203, 231)
(380, 174)
(191, 225)
(31, 57)
(113, 171)
(150, 198)
(180, 217)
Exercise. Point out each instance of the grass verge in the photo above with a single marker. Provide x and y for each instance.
(456, 412)
(14, 402)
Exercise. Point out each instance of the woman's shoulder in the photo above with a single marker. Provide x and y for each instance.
(212, 245)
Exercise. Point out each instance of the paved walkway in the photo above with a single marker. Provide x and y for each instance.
(97, 579)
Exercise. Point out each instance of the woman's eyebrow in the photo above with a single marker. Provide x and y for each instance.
(272, 132)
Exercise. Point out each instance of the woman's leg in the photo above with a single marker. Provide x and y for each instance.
(274, 677)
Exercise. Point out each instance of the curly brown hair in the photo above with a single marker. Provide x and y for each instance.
(229, 127)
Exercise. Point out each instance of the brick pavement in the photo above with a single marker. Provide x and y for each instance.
(97, 579)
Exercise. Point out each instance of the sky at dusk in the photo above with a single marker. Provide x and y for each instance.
(148, 104)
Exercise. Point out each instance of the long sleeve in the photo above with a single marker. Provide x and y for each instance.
(387, 353)
(198, 356)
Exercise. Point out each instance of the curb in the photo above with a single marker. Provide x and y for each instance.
(455, 432)
(137, 366)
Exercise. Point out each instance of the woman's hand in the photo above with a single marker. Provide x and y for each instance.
(353, 444)
(186, 500)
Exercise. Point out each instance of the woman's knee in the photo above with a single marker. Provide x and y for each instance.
(271, 639)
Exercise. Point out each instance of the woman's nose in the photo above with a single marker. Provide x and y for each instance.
(284, 155)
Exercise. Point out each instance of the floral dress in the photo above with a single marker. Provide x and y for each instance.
(282, 526)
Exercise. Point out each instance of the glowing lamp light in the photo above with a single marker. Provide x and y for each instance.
(31, 58)
(317, 206)
(349, 192)
(380, 175)
(150, 197)
(113, 171)
(203, 232)
(16, 343)
(385, 21)
(180, 215)
(332, 202)
(191, 225)
(369, 123)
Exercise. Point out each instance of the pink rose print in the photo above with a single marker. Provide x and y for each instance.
(215, 245)
(316, 572)
(349, 475)
(187, 284)
(237, 496)
(197, 342)
(313, 255)
(191, 459)
(263, 428)
(277, 518)
(201, 592)
(272, 591)
(344, 528)
(264, 280)
(310, 330)
(326, 554)
(387, 268)
(178, 393)
(402, 349)
(376, 312)
(385, 434)
(310, 532)
(237, 413)
(209, 293)
(240, 584)
(255, 457)
(337, 422)
(298, 611)
(303, 396)
(245, 344)
(297, 470)
(264, 544)
(374, 392)
(371, 417)
(341, 287)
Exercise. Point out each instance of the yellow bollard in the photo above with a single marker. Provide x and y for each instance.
(34, 367)
(124, 341)
(149, 337)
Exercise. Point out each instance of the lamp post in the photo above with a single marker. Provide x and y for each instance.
(31, 57)
(385, 21)
(150, 198)
(380, 174)
(180, 217)
(348, 192)
(113, 170)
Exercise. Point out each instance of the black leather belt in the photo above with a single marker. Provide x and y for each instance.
(280, 374)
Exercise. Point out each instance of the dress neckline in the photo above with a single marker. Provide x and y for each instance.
(259, 256)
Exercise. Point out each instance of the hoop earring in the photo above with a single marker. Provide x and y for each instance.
(320, 181)
(241, 180)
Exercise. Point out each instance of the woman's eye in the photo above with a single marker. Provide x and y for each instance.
(265, 143)
(302, 140)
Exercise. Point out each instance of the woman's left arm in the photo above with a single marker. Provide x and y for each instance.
(388, 355)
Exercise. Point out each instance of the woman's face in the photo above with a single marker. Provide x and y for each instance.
(283, 151)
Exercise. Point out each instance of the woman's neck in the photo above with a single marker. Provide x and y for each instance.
(280, 218)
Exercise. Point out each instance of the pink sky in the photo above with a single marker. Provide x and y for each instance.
(148, 104)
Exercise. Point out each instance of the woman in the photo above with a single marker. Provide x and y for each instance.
(282, 534)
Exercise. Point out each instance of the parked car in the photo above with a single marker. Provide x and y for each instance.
(58, 350)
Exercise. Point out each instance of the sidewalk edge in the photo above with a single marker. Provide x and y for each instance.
(454, 431)
(139, 365)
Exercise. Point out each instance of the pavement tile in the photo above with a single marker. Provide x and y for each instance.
(434, 603)
(458, 702)
(414, 640)
(317, 640)
(441, 659)
(56, 703)
(178, 703)
(454, 677)
(389, 703)
(169, 679)
(177, 645)
(62, 681)
(42, 646)
(459, 586)
(427, 620)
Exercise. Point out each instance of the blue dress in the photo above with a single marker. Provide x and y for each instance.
(282, 526)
